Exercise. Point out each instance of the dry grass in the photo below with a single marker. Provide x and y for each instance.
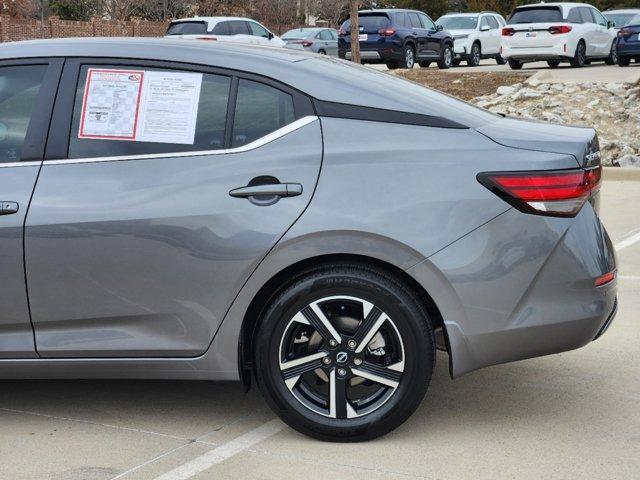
(467, 85)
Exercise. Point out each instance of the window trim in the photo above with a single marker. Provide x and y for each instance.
(57, 147)
(35, 139)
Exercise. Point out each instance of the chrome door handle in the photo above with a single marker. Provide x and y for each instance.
(8, 208)
(269, 190)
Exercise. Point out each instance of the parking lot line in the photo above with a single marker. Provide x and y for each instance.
(223, 452)
(628, 241)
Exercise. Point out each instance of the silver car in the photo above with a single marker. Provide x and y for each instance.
(317, 40)
(200, 211)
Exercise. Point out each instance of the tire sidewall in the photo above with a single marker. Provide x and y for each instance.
(418, 347)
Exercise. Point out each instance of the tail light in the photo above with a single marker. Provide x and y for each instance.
(342, 32)
(625, 32)
(559, 29)
(606, 278)
(304, 43)
(554, 193)
(508, 32)
(387, 32)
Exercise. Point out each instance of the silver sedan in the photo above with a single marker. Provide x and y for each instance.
(317, 40)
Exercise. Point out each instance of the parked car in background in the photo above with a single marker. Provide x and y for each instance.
(621, 17)
(398, 38)
(226, 232)
(224, 29)
(628, 45)
(558, 32)
(476, 36)
(318, 40)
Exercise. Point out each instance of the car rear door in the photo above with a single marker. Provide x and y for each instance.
(163, 187)
(27, 90)
(589, 31)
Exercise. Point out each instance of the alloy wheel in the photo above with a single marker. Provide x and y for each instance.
(409, 58)
(341, 357)
(448, 57)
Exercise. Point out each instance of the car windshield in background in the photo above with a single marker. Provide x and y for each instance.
(369, 23)
(297, 34)
(622, 19)
(458, 23)
(187, 28)
(536, 15)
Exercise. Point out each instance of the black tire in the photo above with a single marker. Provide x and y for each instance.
(408, 57)
(515, 64)
(473, 59)
(500, 60)
(455, 62)
(322, 52)
(553, 63)
(277, 329)
(580, 57)
(624, 61)
(424, 64)
(612, 59)
(392, 66)
(446, 57)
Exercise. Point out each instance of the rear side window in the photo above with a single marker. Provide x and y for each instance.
(221, 28)
(536, 15)
(19, 88)
(238, 27)
(484, 22)
(574, 16)
(415, 21)
(260, 110)
(187, 28)
(325, 35)
(209, 122)
(493, 23)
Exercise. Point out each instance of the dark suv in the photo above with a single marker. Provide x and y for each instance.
(399, 38)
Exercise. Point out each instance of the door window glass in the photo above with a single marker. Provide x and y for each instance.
(221, 28)
(484, 22)
(585, 13)
(209, 127)
(325, 35)
(19, 87)
(493, 23)
(600, 20)
(260, 110)
(415, 20)
(427, 22)
(258, 30)
(238, 27)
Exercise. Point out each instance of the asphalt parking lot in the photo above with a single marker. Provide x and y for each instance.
(573, 415)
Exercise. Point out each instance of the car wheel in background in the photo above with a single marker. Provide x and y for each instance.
(408, 57)
(455, 62)
(500, 60)
(515, 64)
(322, 52)
(345, 353)
(612, 59)
(424, 64)
(446, 57)
(392, 65)
(624, 61)
(553, 63)
(473, 60)
(580, 56)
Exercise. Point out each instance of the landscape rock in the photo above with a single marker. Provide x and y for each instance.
(629, 161)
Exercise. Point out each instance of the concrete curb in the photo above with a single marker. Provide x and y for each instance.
(617, 174)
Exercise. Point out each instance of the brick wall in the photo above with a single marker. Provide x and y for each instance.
(14, 29)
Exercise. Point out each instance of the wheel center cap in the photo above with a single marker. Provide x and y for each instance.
(342, 357)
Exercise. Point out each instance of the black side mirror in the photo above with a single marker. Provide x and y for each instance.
(270, 36)
(611, 24)
(439, 28)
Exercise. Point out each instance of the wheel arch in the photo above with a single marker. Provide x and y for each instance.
(275, 284)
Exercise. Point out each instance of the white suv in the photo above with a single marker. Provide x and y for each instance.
(476, 36)
(558, 32)
(224, 29)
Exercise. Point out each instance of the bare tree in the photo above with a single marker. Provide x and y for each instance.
(355, 30)
(120, 9)
(37, 9)
(333, 11)
(277, 14)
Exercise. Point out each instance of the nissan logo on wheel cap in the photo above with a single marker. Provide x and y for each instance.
(342, 357)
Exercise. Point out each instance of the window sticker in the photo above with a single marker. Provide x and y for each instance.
(142, 106)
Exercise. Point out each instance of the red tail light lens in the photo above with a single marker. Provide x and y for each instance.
(625, 32)
(387, 32)
(557, 193)
(508, 32)
(559, 29)
(605, 279)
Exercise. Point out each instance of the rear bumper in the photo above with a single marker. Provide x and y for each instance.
(559, 51)
(523, 286)
(380, 55)
(628, 49)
